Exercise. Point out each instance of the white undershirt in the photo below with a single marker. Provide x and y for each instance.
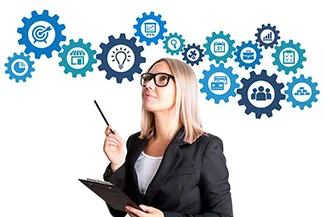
(146, 167)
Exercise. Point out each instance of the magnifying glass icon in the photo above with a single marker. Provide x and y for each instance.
(173, 42)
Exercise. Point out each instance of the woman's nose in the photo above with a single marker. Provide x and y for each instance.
(150, 84)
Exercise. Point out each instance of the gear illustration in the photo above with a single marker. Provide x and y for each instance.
(280, 49)
(65, 54)
(256, 59)
(277, 94)
(40, 35)
(205, 82)
(150, 28)
(172, 37)
(312, 95)
(19, 67)
(190, 55)
(230, 44)
(259, 36)
(138, 59)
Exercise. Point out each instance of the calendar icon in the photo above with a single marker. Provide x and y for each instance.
(289, 57)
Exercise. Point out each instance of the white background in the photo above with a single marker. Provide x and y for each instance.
(51, 133)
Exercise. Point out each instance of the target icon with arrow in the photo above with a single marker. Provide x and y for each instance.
(40, 33)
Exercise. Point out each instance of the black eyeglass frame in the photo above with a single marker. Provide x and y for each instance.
(153, 75)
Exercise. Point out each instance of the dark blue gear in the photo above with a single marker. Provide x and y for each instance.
(277, 94)
(261, 42)
(11, 68)
(120, 41)
(241, 61)
(151, 16)
(200, 53)
(58, 34)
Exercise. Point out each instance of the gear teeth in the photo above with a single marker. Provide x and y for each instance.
(104, 66)
(142, 37)
(25, 58)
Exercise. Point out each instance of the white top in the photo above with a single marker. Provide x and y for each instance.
(146, 167)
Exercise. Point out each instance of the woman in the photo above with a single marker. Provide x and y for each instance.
(172, 167)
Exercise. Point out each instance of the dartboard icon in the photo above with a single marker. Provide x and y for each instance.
(40, 33)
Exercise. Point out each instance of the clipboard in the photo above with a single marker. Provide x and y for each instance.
(110, 193)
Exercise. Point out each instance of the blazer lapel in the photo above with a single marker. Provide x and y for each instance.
(133, 158)
(171, 158)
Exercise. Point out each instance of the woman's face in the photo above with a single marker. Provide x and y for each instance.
(156, 98)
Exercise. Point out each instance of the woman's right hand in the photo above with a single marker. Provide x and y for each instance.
(115, 149)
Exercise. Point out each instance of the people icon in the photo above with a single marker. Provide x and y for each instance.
(261, 95)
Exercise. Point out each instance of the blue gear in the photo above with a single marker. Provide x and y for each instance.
(293, 68)
(120, 41)
(144, 18)
(259, 39)
(205, 82)
(215, 36)
(179, 37)
(9, 66)
(277, 94)
(58, 34)
(295, 102)
(241, 48)
(64, 56)
(196, 47)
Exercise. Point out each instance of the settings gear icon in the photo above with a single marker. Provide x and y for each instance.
(150, 28)
(79, 51)
(222, 54)
(267, 40)
(290, 54)
(301, 92)
(275, 104)
(230, 79)
(174, 43)
(40, 33)
(246, 57)
(125, 48)
(19, 67)
(193, 54)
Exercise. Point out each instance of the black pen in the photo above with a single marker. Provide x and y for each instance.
(103, 116)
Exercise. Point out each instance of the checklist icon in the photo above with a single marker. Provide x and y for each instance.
(289, 57)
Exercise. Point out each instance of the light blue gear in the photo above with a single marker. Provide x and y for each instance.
(277, 94)
(179, 37)
(293, 68)
(205, 82)
(196, 47)
(58, 34)
(145, 17)
(9, 66)
(121, 41)
(66, 65)
(257, 51)
(295, 102)
(215, 36)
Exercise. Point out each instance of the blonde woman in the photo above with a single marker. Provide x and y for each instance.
(173, 168)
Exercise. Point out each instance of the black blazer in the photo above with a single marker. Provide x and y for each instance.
(192, 179)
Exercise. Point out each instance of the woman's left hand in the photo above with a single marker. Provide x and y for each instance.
(149, 211)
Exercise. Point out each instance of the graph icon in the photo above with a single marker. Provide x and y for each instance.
(268, 37)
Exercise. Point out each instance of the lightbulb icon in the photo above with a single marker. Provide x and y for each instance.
(121, 55)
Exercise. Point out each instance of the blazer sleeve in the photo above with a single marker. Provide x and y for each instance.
(118, 178)
(214, 185)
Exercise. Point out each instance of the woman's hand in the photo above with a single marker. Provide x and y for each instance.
(149, 211)
(115, 149)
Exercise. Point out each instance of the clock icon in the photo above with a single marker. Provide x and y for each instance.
(19, 67)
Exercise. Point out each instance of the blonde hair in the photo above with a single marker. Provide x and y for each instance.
(187, 109)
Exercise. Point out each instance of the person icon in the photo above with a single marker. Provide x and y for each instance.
(253, 95)
(261, 96)
(268, 94)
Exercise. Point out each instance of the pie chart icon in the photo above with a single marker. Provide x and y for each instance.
(20, 67)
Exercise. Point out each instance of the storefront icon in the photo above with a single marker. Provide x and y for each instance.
(77, 57)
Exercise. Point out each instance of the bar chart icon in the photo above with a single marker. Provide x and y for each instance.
(268, 37)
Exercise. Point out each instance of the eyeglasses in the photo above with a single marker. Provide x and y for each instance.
(161, 79)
